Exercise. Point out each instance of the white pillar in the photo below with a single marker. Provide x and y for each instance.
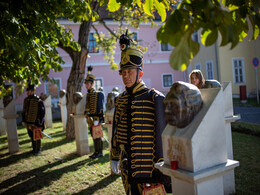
(81, 127)
(63, 108)
(48, 113)
(10, 119)
(2, 120)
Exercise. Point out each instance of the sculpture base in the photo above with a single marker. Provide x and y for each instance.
(207, 181)
(81, 134)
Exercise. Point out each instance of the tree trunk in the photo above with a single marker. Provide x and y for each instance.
(77, 74)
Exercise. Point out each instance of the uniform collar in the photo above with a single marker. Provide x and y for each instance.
(91, 90)
(136, 88)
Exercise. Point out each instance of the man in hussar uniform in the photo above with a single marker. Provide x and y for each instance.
(33, 117)
(94, 111)
(137, 127)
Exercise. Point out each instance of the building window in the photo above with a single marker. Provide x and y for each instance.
(238, 71)
(134, 36)
(167, 80)
(53, 88)
(209, 70)
(198, 66)
(195, 36)
(98, 84)
(92, 44)
(166, 47)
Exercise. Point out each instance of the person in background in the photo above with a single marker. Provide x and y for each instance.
(94, 111)
(33, 117)
(137, 127)
(197, 79)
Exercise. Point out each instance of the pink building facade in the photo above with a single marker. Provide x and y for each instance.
(157, 71)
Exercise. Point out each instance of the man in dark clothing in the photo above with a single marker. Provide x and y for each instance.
(33, 118)
(137, 127)
(94, 111)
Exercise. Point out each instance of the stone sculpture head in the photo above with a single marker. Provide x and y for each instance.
(111, 99)
(62, 92)
(43, 96)
(182, 103)
(211, 84)
(77, 97)
(7, 99)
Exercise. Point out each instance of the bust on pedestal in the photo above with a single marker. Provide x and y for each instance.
(109, 114)
(2, 120)
(10, 119)
(48, 113)
(80, 124)
(195, 139)
(63, 108)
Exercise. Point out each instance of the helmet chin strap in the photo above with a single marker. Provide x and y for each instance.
(137, 75)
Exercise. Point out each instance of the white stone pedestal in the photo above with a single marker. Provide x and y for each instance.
(81, 127)
(206, 182)
(48, 113)
(229, 178)
(10, 119)
(200, 149)
(2, 120)
(63, 110)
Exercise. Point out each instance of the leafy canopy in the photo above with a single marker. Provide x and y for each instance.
(30, 33)
(231, 20)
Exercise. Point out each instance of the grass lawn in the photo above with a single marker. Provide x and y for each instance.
(59, 170)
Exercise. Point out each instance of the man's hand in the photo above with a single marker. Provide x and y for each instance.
(115, 166)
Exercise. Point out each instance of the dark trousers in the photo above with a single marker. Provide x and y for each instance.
(98, 146)
(36, 145)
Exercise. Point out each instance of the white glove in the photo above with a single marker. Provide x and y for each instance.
(115, 166)
(95, 123)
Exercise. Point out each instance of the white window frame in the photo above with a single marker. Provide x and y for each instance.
(195, 36)
(197, 66)
(208, 71)
(102, 82)
(54, 101)
(137, 36)
(166, 74)
(89, 43)
(234, 71)
(169, 46)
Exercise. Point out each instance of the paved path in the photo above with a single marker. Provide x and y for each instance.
(248, 114)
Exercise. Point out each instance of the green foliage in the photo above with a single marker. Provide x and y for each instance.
(212, 18)
(206, 15)
(29, 36)
(30, 33)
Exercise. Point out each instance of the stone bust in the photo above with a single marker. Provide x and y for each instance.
(7, 99)
(182, 103)
(43, 96)
(62, 92)
(77, 97)
(111, 100)
(211, 84)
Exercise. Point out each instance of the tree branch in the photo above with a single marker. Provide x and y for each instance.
(69, 50)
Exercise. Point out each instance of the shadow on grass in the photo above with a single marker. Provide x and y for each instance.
(99, 185)
(38, 178)
(16, 157)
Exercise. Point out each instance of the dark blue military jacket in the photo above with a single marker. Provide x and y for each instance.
(95, 104)
(137, 128)
(33, 111)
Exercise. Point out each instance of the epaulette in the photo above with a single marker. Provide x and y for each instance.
(157, 92)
